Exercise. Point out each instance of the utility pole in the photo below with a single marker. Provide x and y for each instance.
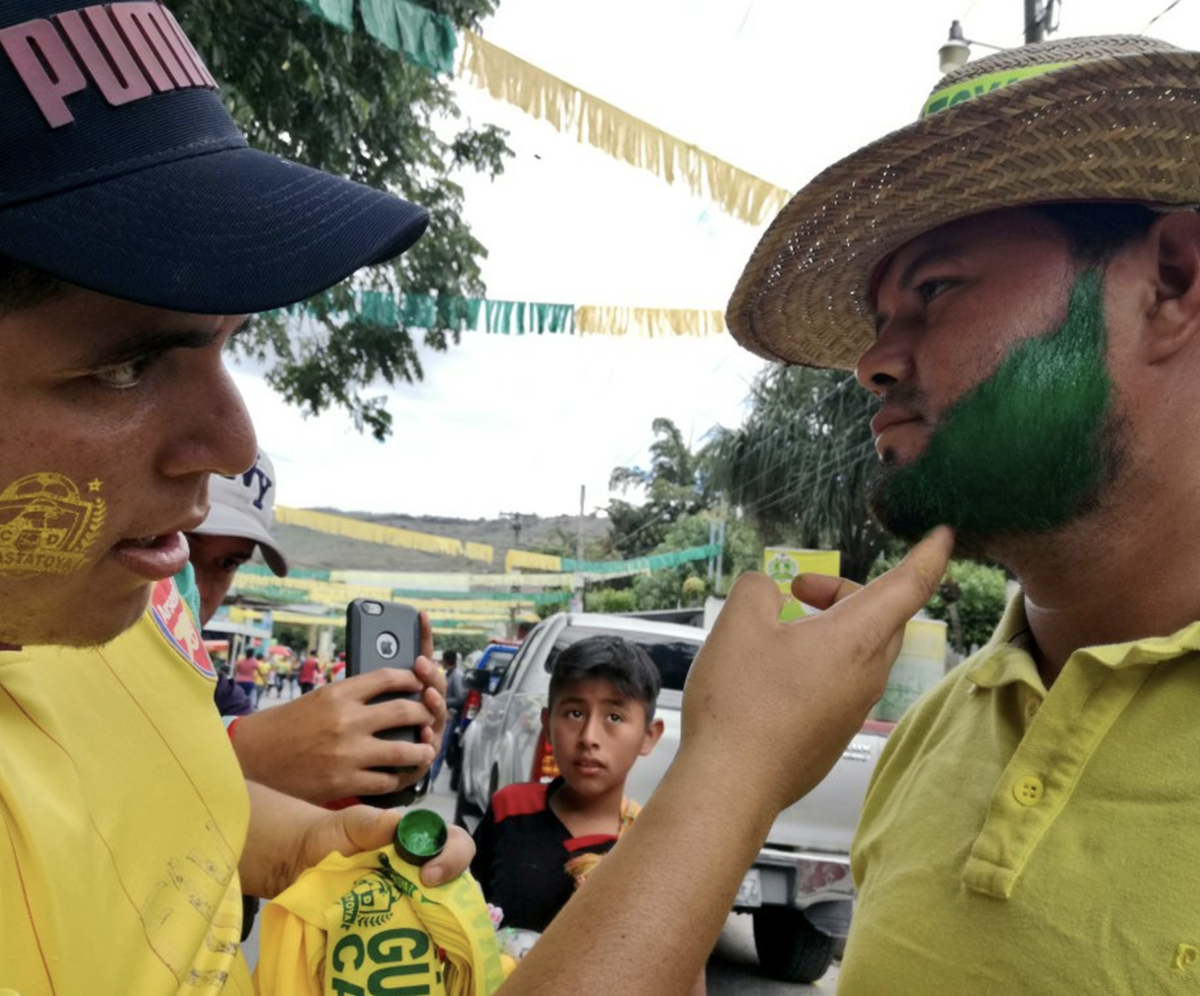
(1035, 21)
(579, 526)
(516, 525)
(1040, 20)
(577, 579)
(721, 548)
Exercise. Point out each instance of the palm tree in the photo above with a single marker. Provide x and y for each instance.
(798, 467)
(674, 484)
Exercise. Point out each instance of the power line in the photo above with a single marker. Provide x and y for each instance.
(1150, 23)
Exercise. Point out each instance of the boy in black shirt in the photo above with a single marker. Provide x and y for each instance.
(537, 840)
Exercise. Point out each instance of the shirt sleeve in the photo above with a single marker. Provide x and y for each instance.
(455, 692)
(231, 700)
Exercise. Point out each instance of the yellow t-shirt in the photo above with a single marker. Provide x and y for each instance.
(1016, 841)
(122, 815)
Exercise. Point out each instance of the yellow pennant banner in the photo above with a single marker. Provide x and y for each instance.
(616, 132)
(370, 532)
(600, 319)
(525, 560)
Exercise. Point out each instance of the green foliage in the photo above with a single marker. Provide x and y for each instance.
(295, 637)
(610, 600)
(674, 485)
(546, 609)
(980, 602)
(343, 102)
(461, 643)
(563, 542)
(798, 466)
(979, 606)
(688, 584)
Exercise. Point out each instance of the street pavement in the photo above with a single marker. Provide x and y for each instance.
(732, 969)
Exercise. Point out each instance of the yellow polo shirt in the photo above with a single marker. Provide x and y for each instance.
(122, 815)
(1019, 841)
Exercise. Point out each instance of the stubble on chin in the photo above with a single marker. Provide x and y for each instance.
(61, 622)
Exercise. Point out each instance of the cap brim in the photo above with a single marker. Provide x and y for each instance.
(1112, 129)
(223, 521)
(229, 232)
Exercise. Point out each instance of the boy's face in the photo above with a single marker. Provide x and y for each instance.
(597, 734)
(114, 414)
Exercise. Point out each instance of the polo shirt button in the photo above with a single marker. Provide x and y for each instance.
(1031, 709)
(1028, 791)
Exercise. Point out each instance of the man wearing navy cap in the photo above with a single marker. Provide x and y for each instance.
(137, 231)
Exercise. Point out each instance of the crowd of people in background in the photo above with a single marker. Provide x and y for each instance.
(276, 671)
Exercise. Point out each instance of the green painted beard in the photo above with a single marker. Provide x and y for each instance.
(1023, 452)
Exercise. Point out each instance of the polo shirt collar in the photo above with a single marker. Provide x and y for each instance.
(1006, 658)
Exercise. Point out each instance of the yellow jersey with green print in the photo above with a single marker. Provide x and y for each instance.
(122, 815)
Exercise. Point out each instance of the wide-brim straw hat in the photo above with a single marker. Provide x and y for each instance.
(1080, 119)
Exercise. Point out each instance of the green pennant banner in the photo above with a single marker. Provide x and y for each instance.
(424, 38)
(654, 562)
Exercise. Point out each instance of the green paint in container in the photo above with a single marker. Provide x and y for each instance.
(420, 835)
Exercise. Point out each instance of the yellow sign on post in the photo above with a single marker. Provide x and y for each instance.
(782, 564)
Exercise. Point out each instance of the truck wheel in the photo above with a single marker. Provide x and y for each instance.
(789, 947)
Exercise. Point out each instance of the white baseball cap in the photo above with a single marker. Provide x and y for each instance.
(244, 506)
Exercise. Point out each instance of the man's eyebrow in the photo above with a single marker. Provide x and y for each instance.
(150, 343)
(939, 252)
(580, 700)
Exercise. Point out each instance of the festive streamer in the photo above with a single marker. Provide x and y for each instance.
(654, 562)
(518, 318)
(445, 583)
(617, 133)
(464, 627)
(515, 559)
(369, 532)
(259, 574)
(428, 40)
(421, 36)
(595, 319)
(327, 593)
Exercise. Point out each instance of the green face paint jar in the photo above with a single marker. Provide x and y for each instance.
(420, 835)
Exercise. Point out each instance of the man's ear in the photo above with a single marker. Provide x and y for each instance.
(546, 726)
(1174, 320)
(654, 734)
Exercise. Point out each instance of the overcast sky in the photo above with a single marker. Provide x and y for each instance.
(779, 88)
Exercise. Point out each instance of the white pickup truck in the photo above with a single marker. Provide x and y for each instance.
(799, 889)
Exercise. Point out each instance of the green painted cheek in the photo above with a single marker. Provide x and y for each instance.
(1025, 449)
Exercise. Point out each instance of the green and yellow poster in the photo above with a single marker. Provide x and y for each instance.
(782, 564)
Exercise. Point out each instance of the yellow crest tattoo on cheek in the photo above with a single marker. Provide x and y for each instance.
(48, 523)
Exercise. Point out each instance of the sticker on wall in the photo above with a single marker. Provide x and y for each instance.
(48, 524)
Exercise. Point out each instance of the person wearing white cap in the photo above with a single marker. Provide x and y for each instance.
(239, 521)
(1016, 278)
(320, 747)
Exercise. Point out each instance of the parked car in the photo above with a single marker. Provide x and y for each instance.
(482, 679)
(799, 889)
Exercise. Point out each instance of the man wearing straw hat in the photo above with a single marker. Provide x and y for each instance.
(1016, 277)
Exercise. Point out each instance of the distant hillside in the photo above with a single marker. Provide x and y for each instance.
(320, 551)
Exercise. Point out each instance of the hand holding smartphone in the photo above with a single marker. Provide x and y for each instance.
(384, 634)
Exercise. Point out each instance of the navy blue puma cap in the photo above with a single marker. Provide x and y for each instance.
(121, 171)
